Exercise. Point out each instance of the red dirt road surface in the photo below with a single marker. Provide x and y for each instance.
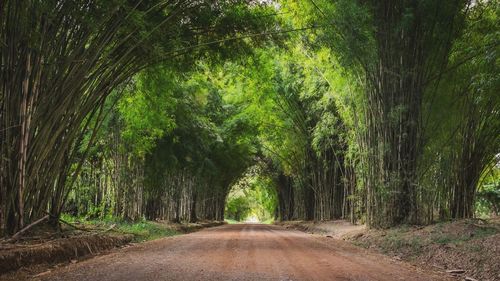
(241, 252)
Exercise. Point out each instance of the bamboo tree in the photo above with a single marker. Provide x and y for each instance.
(61, 60)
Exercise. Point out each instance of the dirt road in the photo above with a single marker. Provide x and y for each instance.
(241, 252)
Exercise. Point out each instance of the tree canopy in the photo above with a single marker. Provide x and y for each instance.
(378, 112)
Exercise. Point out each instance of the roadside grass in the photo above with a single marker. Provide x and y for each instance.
(413, 242)
(142, 230)
(146, 230)
(397, 239)
(455, 238)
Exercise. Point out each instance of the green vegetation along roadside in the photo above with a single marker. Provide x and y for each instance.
(142, 230)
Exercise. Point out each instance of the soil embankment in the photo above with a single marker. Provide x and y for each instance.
(464, 249)
(13, 257)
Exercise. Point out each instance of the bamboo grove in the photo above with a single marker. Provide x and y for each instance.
(379, 112)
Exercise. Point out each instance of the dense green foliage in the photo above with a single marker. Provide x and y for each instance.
(374, 111)
(60, 63)
(142, 230)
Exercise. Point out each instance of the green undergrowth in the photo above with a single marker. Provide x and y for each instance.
(142, 230)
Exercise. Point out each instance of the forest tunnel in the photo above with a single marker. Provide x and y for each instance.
(162, 117)
(253, 198)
